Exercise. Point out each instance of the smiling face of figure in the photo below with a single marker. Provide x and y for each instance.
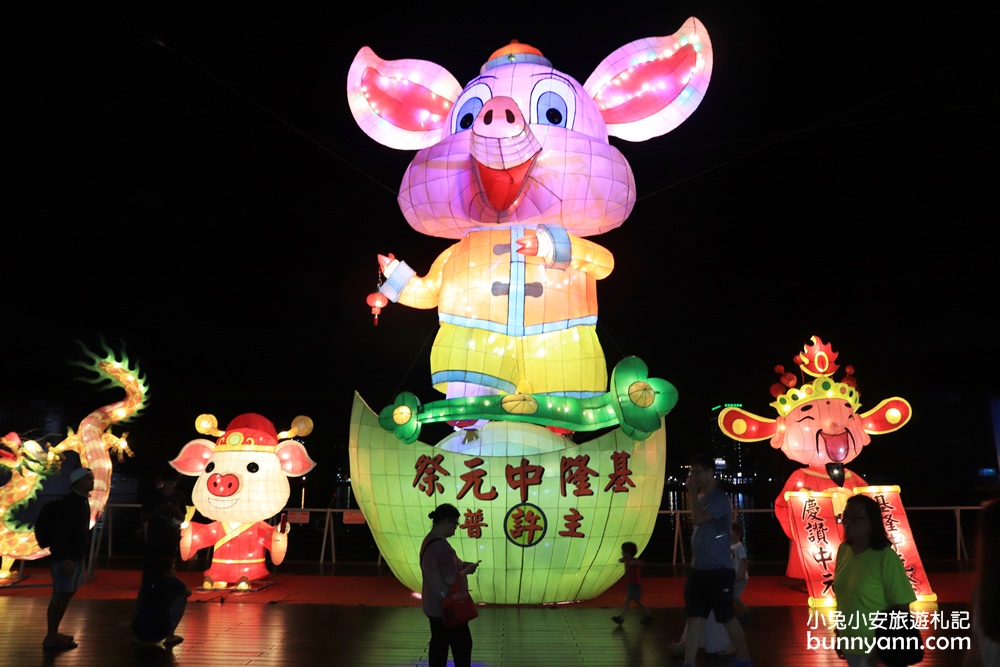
(525, 145)
(241, 487)
(820, 432)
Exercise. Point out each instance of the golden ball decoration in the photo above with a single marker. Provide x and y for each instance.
(519, 404)
(402, 414)
(641, 393)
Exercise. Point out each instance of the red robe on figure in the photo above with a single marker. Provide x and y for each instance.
(239, 549)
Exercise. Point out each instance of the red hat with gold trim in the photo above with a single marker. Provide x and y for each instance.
(250, 432)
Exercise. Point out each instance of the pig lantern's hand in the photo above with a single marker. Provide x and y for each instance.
(187, 549)
(387, 264)
(279, 545)
(536, 243)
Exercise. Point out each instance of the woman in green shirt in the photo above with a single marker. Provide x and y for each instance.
(869, 578)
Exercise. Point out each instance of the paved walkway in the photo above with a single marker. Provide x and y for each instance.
(232, 630)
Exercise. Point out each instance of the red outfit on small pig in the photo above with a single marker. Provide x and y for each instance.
(239, 552)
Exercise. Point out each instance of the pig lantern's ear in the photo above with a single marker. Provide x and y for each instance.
(294, 459)
(194, 457)
(650, 86)
(402, 104)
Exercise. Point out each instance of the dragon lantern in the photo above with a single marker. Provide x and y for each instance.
(30, 464)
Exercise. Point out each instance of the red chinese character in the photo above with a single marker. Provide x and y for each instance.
(827, 582)
(824, 557)
(620, 476)
(524, 522)
(884, 503)
(574, 470)
(474, 480)
(810, 509)
(572, 520)
(524, 476)
(474, 523)
(427, 474)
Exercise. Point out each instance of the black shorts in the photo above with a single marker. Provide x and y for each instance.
(710, 590)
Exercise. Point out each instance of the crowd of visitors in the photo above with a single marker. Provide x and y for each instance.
(869, 575)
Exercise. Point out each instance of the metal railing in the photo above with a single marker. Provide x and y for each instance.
(105, 525)
(961, 552)
(679, 519)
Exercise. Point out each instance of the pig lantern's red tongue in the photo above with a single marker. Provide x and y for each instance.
(502, 186)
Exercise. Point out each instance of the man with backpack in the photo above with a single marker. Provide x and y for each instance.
(64, 527)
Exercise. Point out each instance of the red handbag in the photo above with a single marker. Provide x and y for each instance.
(458, 606)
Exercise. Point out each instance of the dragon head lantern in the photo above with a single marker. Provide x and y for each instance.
(819, 425)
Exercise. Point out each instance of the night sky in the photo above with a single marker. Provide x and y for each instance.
(189, 183)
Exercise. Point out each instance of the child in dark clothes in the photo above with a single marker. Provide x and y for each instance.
(633, 587)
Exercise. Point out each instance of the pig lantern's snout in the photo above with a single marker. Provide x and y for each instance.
(500, 118)
(223, 485)
(503, 149)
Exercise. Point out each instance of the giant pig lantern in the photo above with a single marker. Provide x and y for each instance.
(242, 482)
(516, 167)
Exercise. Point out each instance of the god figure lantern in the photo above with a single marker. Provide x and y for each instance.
(242, 482)
(820, 425)
(516, 167)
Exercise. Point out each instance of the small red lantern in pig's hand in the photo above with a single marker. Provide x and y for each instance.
(242, 482)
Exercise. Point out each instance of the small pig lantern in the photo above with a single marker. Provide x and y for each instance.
(242, 482)
(518, 168)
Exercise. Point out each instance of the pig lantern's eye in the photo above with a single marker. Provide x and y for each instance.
(553, 102)
(468, 106)
(252, 467)
(210, 467)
